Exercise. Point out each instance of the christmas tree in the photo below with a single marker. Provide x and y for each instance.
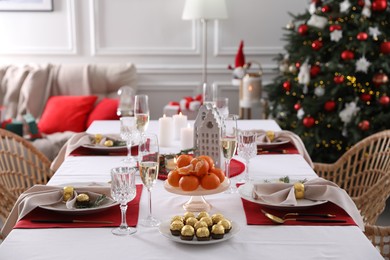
(333, 86)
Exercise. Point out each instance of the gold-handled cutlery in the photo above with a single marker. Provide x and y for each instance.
(71, 221)
(326, 219)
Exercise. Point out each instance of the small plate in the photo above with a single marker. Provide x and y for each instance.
(198, 192)
(165, 231)
(276, 142)
(246, 189)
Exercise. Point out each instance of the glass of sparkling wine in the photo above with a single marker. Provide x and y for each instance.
(229, 145)
(141, 112)
(123, 190)
(128, 133)
(148, 170)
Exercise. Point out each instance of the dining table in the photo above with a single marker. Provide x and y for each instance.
(248, 241)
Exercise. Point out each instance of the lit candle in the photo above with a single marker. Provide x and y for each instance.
(170, 164)
(251, 90)
(187, 137)
(165, 131)
(179, 122)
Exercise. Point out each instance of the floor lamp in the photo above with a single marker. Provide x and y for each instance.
(205, 10)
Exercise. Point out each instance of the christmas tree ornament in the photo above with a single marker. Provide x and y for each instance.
(338, 79)
(362, 64)
(364, 125)
(317, 21)
(384, 100)
(287, 85)
(297, 106)
(366, 11)
(385, 47)
(379, 5)
(361, 3)
(365, 97)
(304, 74)
(316, 45)
(336, 35)
(300, 113)
(308, 122)
(297, 64)
(344, 6)
(283, 66)
(334, 27)
(374, 32)
(350, 110)
(290, 25)
(303, 29)
(380, 79)
(325, 9)
(329, 106)
(362, 36)
(314, 71)
(292, 68)
(347, 55)
(319, 91)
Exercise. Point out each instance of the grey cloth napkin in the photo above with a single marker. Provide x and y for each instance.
(315, 189)
(42, 195)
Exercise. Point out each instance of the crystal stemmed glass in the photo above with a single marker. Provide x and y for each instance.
(247, 149)
(123, 190)
(127, 133)
(229, 145)
(148, 170)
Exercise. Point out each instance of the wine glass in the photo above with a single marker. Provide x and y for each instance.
(141, 112)
(247, 149)
(123, 190)
(229, 145)
(222, 104)
(128, 133)
(148, 170)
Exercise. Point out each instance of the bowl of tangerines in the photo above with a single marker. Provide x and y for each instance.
(196, 176)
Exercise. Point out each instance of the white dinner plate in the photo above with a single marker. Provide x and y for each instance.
(102, 148)
(246, 190)
(276, 142)
(166, 232)
(198, 192)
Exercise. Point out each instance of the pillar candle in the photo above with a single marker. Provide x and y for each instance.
(179, 122)
(165, 131)
(187, 137)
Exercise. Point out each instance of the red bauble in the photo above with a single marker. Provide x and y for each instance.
(338, 79)
(384, 100)
(361, 3)
(326, 9)
(379, 5)
(329, 105)
(302, 29)
(316, 45)
(362, 36)
(334, 27)
(297, 65)
(347, 55)
(315, 70)
(385, 47)
(364, 125)
(365, 97)
(308, 121)
(297, 106)
(287, 85)
(380, 79)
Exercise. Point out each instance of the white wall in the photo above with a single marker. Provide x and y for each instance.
(151, 34)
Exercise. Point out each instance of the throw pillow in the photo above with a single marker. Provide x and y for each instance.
(104, 110)
(66, 113)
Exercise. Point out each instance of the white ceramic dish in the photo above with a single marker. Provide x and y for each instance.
(198, 192)
(246, 189)
(276, 142)
(164, 230)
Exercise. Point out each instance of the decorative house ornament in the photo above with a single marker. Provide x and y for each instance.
(207, 132)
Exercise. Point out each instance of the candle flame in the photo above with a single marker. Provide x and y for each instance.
(250, 88)
(180, 114)
(164, 115)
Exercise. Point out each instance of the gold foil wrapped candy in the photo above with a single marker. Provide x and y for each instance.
(203, 234)
(68, 193)
(299, 190)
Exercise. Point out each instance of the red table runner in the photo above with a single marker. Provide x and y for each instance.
(287, 148)
(254, 216)
(111, 214)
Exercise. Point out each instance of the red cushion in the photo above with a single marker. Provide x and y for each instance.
(66, 113)
(104, 110)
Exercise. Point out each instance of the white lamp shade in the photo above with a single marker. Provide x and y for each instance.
(204, 9)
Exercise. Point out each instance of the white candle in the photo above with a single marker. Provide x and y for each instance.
(187, 137)
(165, 131)
(179, 122)
(251, 90)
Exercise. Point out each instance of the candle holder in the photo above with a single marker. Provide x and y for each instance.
(250, 92)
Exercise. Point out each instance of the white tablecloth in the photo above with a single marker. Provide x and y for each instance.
(252, 242)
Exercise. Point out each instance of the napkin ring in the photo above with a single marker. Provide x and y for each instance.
(299, 190)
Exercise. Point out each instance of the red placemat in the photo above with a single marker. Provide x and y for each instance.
(254, 216)
(236, 168)
(287, 148)
(111, 214)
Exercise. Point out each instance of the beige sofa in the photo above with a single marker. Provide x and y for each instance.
(26, 89)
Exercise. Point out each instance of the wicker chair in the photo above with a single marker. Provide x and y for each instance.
(21, 167)
(380, 238)
(364, 173)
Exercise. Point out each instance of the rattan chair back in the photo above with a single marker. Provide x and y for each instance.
(380, 238)
(364, 173)
(21, 167)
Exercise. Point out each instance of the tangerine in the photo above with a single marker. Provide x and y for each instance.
(210, 181)
(200, 166)
(185, 170)
(209, 159)
(220, 174)
(183, 160)
(173, 178)
(189, 183)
